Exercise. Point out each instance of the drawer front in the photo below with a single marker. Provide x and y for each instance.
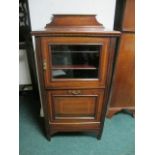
(70, 105)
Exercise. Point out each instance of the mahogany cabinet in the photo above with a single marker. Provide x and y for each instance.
(74, 61)
(122, 95)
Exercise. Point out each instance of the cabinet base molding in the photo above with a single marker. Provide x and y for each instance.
(114, 110)
(83, 128)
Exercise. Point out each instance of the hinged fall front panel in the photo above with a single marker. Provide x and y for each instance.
(85, 106)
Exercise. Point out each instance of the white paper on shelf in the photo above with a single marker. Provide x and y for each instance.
(58, 73)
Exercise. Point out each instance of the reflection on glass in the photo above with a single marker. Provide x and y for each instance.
(75, 61)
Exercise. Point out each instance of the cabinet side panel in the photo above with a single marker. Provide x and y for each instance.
(41, 83)
(108, 81)
(129, 16)
(122, 93)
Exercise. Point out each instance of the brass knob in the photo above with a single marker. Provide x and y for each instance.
(74, 92)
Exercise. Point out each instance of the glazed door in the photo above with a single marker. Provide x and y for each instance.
(78, 62)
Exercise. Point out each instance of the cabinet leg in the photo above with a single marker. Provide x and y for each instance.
(132, 113)
(48, 136)
(113, 111)
(99, 135)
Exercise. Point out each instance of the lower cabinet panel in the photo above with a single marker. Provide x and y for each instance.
(74, 105)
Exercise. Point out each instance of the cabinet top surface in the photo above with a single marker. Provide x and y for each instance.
(74, 25)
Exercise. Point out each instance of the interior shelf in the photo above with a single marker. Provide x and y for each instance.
(74, 67)
(74, 51)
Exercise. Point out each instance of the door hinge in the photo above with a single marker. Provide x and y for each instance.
(44, 64)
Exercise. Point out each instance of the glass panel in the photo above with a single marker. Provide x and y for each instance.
(74, 73)
(75, 61)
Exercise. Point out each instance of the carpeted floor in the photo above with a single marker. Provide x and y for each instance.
(117, 137)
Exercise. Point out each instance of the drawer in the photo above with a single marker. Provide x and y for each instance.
(69, 105)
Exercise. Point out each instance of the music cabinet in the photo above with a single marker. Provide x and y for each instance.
(74, 62)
